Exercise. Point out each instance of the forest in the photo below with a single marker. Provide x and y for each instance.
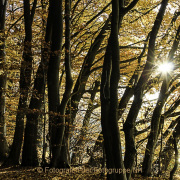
(89, 89)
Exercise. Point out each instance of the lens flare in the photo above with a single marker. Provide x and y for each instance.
(165, 67)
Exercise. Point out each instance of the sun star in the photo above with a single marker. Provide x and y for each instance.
(165, 67)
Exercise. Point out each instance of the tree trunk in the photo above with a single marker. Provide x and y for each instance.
(57, 123)
(156, 125)
(3, 78)
(129, 126)
(80, 84)
(109, 85)
(105, 96)
(29, 155)
(83, 132)
(65, 106)
(99, 159)
(168, 151)
(109, 97)
(25, 80)
(175, 142)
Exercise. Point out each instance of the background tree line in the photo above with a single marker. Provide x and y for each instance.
(80, 83)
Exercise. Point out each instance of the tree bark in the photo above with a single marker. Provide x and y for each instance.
(3, 77)
(57, 123)
(25, 80)
(109, 85)
(29, 154)
(65, 107)
(156, 123)
(98, 147)
(80, 84)
(176, 136)
(83, 132)
(105, 103)
(109, 97)
(168, 151)
(129, 126)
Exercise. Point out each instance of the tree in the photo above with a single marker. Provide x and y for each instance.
(64, 107)
(109, 96)
(3, 77)
(155, 124)
(25, 80)
(129, 125)
(86, 121)
(57, 123)
(30, 154)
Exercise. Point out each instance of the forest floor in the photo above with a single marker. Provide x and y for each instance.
(38, 173)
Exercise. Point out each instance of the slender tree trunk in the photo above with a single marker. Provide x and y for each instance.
(57, 110)
(114, 80)
(25, 80)
(109, 97)
(80, 84)
(129, 126)
(147, 163)
(3, 77)
(131, 85)
(83, 132)
(109, 82)
(156, 123)
(65, 107)
(98, 147)
(168, 151)
(105, 96)
(29, 155)
(176, 135)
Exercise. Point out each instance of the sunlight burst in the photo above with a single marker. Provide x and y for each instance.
(165, 67)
